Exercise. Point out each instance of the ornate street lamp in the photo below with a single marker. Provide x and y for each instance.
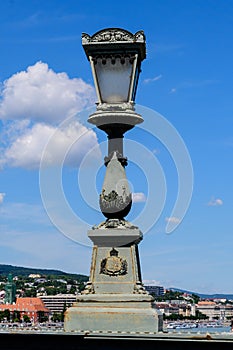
(114, 298)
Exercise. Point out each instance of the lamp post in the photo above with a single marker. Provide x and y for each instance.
(115, 299)
(115, 56)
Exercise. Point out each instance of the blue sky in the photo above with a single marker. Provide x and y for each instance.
(185, 97)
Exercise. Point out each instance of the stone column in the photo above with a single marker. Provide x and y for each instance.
(114, 299)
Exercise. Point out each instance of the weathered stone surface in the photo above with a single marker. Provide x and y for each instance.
(123, 318)
(116, 270)
(114, 298)
(115, 199)
(115, 237)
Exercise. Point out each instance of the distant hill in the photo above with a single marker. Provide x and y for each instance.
(25, 271)
(205, 296)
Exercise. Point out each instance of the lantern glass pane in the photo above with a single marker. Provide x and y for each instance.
(114, 78)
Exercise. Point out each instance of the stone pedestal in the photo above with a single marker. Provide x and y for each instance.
(114, 299)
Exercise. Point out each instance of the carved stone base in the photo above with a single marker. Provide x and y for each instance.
(114, 299)
(114, 313)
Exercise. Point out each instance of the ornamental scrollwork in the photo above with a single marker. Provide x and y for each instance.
(113, 203)
(115, 223)
(89, 288)
(139, 288)
(113, 35)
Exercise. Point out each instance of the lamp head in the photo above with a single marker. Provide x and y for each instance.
(115, 55)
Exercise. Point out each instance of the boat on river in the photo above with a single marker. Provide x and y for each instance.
(181, 325)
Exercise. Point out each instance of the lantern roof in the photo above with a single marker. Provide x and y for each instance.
(114, 40)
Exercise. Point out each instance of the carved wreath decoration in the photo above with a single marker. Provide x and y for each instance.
(113, 265)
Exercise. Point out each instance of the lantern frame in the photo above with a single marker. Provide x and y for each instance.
(106, 48)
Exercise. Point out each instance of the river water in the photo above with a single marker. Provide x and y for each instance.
(226, 329)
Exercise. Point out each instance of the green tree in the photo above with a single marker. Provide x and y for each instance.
(73, 290)
(1, 316)
(7, 314)
(51, 290)
(81, 286)
(26, 319)
(16, 316)
(30, 292)
(42, 317)
(201, 316)
(196, 298)
(57, 317)
(63, 312)
(62, 289)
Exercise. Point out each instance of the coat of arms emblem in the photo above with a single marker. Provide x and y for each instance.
(113, 265)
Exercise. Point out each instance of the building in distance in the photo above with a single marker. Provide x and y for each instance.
(155, 290)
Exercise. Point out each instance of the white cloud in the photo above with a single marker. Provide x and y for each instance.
(173, 90)
(152, 283)
(32, 105)
(27, 149)
(193, 84)
(2, 195)
(156, 151)
(173, 219)
(40, 94)
(150, 80)
(215, 202)
(138, 197)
